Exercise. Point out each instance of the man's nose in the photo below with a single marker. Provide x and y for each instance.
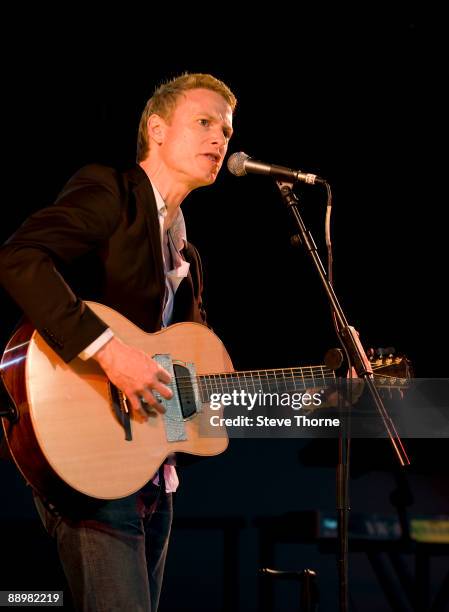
(218, 138)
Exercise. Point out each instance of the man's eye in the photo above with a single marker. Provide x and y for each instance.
(204, 122)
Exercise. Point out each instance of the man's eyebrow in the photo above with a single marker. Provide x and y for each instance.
(207, 115)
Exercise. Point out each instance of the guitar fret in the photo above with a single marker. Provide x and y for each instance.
(284, 381)
(253, 383)
(208, 385)
(223, 382)
(217, 383)
(267, 381)
(288, 381)
(308, 378)
(323, 374)
(260, 381)
(232, 382)
(276, 382)
(202, 385)
(242, 380)
(249, 380)
(302, 377)
(293, 379)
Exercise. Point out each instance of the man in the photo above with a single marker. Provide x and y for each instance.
(119, 238)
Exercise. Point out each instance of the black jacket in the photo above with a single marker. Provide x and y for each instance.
(100, 241)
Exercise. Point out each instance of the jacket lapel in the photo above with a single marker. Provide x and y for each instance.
(145, 201)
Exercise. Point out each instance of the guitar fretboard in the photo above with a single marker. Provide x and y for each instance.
(289, 380)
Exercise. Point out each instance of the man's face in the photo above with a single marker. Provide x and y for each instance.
(195, 141)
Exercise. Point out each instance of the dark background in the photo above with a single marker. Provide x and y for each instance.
(356, 98)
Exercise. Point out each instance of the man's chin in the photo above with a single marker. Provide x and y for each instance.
(209, 180)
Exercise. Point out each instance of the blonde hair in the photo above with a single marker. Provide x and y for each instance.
(163, 102)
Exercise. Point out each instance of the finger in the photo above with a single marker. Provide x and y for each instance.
(163, 375)
(149, 398)
(136, 411)
(162, 390)
(147, 410)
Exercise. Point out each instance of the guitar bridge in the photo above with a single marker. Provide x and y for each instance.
(121, 410)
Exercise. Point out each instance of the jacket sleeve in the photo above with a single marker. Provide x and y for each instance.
(84, 216)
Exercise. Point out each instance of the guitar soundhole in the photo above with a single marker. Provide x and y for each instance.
(185, 390)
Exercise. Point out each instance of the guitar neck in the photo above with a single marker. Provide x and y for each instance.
(284, 380)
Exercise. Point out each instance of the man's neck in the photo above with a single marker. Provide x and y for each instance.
(173, 193)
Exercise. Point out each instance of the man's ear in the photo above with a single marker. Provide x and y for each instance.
(156, 128)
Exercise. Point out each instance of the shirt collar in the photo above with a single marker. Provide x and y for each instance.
(178, 229)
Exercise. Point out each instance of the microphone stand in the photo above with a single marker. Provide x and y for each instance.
(357, 356)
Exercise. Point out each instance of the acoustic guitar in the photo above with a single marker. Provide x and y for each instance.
(73, 430)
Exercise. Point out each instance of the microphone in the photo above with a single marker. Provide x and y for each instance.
(240, 164)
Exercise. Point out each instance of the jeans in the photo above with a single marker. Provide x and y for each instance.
(113, 552)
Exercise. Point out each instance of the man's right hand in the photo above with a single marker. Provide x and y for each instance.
(136, 374)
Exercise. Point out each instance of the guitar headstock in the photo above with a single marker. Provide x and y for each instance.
(391, 371)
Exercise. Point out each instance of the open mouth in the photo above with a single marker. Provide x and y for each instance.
(213, 158)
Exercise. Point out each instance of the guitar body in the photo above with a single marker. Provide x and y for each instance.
(67, 436)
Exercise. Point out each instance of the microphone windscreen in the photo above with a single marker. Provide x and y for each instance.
(236, 163)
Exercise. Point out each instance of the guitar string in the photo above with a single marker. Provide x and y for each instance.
(270, 377)
(273, 371)
(274, 374)
(293, 373)
(277, 374)
(218, 382)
